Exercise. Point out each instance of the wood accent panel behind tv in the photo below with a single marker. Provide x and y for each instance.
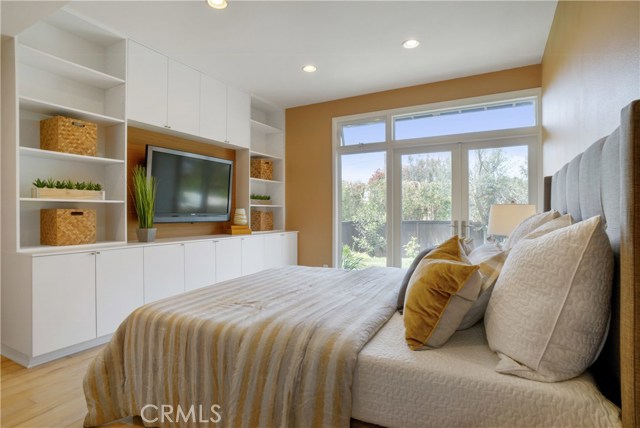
(136, 146)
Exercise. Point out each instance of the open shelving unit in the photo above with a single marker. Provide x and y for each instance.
(68, 66)
(268, 142)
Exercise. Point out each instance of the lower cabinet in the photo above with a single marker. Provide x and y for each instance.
(228, 259)
(64, 301)
(119, 287)
(163, 271)
(199, 264)
(290, 248)
(280, 249)
(252, 254)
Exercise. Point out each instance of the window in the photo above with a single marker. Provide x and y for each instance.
(398, 193)
(365, 132)
(516, 114)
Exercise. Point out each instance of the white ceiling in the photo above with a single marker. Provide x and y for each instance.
(261, 46)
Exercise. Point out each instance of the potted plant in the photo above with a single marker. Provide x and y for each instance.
(144, 199)
(66, 189)
(257, 199)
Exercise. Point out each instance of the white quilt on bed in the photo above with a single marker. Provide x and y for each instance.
(457, 386)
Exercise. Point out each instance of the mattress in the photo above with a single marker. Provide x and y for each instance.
(456, 386)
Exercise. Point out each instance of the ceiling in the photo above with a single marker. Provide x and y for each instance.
(261, 46)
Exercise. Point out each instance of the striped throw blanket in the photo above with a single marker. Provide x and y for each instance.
(274, 349)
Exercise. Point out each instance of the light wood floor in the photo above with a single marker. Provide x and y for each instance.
(47, 396)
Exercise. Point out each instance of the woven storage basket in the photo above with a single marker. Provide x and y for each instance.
(261, 220)
(63, 134)
(67, 227)
(262, 168)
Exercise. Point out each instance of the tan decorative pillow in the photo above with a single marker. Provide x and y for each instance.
(440, 293)
(549, 310)
(528, 225)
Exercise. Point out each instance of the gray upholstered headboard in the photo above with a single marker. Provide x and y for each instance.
(605, 180)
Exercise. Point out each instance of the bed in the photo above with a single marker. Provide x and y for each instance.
(322, 347)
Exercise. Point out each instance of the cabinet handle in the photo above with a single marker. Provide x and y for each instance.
(226, 141)
(97, 252)
(167, 126)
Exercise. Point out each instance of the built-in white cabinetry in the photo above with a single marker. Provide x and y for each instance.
(64, 301)
(62, 66)
(163, 271)
(228, 259)
(119, 287)
(267, 142)
(168, 94)
(199, 264)
(213, 109)
(290, 248)
(253, 249)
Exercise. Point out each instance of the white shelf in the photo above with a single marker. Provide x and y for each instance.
(51, 109)
(45, 61)
(265, 206)
(264, 128)
(262, 232)
(74, 201)
(49, 154)
(255, 154)
(53, 249)
(260, 180)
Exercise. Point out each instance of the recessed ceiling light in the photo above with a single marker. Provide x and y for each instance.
(217, 4)
(309, 68)
(411, 43)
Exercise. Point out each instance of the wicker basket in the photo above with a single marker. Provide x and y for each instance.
(261, 220)
(67, 227)
(262, 168)
(63, 134)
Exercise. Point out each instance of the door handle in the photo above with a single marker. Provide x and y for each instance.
(463, 228)
(454, 226)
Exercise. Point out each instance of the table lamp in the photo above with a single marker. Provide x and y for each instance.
(503, 218)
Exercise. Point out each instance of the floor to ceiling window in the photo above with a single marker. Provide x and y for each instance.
(409, 179)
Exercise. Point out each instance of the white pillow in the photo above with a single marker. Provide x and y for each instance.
(490, 258)
(528, 225)
(549, 309)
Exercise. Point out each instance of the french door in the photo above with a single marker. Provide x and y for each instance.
(441, 190)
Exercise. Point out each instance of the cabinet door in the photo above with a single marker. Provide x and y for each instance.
(228, 259)
(290, 242)
(163, 271)
(119, 287)
(147, 85)
(238, 117)
(199, 264)
(273, 250)
(64, 301)
(252, 254)
(183, 97)
(213, 109)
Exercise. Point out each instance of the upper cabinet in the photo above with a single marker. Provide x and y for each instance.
(148, 77)
(173, 96)
(213, 109)
(238, 115)
(162, 92)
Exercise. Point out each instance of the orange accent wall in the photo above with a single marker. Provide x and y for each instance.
(137, 140)
(309, 147)
(590, 71)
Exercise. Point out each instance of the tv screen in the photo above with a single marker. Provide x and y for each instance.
(191, 187)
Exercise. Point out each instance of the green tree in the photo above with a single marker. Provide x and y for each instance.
(492, 180)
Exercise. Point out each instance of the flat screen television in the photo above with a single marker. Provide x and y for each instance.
(191, 187)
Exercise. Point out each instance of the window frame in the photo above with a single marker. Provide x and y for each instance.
(392, 147)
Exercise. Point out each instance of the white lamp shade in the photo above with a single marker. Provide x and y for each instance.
(503, 218)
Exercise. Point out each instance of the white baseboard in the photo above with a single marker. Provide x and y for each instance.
(29, 362)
